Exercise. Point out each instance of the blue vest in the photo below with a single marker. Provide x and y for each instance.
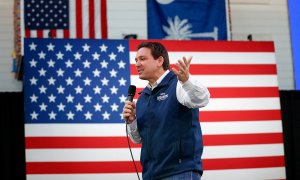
(170, 132)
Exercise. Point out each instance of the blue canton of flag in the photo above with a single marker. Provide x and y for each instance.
(46, 14)
(187, 19)
(78, 81)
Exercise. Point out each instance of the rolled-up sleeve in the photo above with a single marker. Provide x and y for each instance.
(133, 132)
(192, 93)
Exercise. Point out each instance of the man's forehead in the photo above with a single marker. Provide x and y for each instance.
(144, 49)
(143, 52)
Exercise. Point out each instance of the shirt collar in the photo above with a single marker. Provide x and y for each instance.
(158, 81)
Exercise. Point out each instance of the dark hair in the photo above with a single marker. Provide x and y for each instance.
(157, 49)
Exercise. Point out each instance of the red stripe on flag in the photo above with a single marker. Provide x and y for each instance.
(247, 115)
(242, 163)
(239, 92)
(210, 46)
(242, 139)
(224, 69)
(91, 19)
(128, 167)
(27, 33)
(78, 19)
(53, 33)
(217, 69)
(80, 167)
(39, 33)
(66, 33)
(77, 142)
(121, 142)
(103, 20)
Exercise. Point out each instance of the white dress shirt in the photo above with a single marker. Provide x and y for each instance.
(191, 94)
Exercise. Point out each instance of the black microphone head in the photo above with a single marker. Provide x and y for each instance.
(131, 90)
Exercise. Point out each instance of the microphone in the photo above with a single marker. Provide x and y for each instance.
(131, 92)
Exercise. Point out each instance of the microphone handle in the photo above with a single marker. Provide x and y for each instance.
(130, 98)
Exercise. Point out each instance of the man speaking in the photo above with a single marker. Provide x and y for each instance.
(165, 118)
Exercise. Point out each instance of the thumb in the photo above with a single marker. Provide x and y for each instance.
(175, 71)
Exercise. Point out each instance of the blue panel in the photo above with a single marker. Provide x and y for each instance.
(294, 6)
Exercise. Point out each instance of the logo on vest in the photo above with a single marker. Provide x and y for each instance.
(162, 96)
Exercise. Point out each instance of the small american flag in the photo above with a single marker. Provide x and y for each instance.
(64, 18)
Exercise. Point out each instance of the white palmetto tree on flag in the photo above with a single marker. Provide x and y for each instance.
(181, 29)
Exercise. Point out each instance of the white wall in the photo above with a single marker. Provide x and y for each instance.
(7, 81)
(126, 17)
(266, 20)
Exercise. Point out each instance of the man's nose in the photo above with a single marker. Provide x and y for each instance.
(137, 63)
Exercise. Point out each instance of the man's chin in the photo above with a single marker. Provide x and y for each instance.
(142, 77)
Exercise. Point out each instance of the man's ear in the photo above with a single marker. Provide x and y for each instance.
(160, 60)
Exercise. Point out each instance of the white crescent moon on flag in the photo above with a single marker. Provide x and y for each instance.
(164, 1)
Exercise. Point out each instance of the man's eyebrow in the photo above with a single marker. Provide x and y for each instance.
(139, 56)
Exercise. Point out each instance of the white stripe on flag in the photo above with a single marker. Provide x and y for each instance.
(78, 155)
(122, 154)
(240, 151)
(248, 127)
(225, 80)
(245, 174)
(220, 57)
(118, 130)
(85, 19)
(52, 130)
(226, 104)
(97, 14)
(72, 19)
(60, 33)
(90, 176)
(242, 104)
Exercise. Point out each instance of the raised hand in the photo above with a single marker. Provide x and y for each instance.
(183, 69)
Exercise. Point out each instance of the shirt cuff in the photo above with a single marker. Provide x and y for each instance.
(187, 85)
(132, 126)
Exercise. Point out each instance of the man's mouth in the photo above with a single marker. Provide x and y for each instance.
(139, 71)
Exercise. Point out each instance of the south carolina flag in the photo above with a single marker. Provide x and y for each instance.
(188, 19)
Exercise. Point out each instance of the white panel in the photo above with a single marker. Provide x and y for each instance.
(126, 17)
(8, 83)
(266, 20)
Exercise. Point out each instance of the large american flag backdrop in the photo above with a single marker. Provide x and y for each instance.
(74, 94)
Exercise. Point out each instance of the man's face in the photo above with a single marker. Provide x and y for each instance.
(146, 65)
